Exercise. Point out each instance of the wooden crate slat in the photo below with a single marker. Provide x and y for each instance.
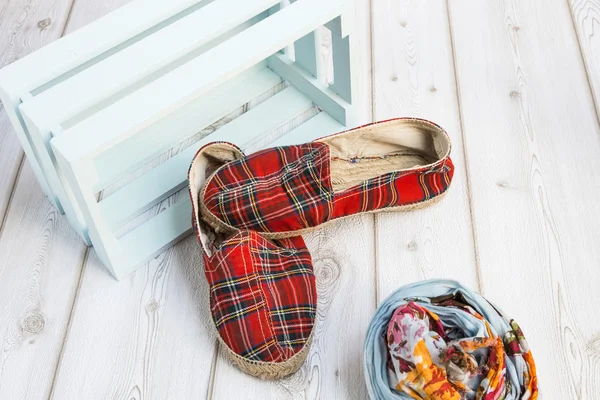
(318, 126)
(154, 236)
(11, 105)
(311, 87)
(342, 82)
(148, 55)
(88, 42)
(305, 51)
(111, 126)
(64, 194)
(171, 176)
(182, 123)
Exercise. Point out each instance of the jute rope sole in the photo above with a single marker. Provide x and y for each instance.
(268, 370)
(220, 226)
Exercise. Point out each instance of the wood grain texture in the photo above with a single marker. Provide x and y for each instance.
(532, 144)
(11, 157)
(40, 262)
(414, 76)
(343, 260)
(25, 25)
(144, 337)
(40, 258)
(87, 11)
(586, 18)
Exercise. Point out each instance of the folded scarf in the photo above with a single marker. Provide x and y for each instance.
(438, 340)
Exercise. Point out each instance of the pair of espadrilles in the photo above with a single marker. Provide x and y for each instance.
(249, 213)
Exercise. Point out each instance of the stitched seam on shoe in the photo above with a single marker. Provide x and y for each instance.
(267, 306)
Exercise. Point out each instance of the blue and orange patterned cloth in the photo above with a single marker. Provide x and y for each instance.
(438, 340)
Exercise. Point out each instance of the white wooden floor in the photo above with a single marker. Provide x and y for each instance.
(517, 86)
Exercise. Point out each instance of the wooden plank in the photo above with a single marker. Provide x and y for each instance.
(311, 87)
(318, 126)
(171, 176)
(586, 17)
(414, 76)
(145, 337)
(63, 195)
(183, 123)
(266, 140)
(88, 42)
(25, 27)
(305, 53)
(155, 51)
(111, 125)
(343, 260)
(532, 144)
(40, 264)
(289, 49)
(153, 237)
(342, 65)
(11, 157)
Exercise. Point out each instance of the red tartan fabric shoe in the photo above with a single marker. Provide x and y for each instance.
(263, 298)
(400, 164)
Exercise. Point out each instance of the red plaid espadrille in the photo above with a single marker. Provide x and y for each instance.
(398, 164)
(263, 296)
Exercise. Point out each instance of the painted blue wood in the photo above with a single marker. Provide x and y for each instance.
(25, 76)
(153, 237)
(40, 141)
(305, 53)
(342, 78)
(170, 176)
(189, 119)
(318, 126)
(110, 75)
(137, 83)
(111, 125)
(323, 97)
(11, 106)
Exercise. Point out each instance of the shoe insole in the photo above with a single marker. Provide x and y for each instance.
(346, 173)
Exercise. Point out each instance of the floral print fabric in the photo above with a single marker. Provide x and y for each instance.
(440, 341)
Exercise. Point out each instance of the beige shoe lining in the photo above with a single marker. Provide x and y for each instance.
(206, 163)
(377, 149)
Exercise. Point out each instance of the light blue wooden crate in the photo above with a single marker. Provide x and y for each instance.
(122, 91)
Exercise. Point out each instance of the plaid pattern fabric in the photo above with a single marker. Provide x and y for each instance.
(263, 296)
(394, 189)
(285, 189)
(274, 190)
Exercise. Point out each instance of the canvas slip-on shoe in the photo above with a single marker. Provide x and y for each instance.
(394, 165)
(263, 298)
